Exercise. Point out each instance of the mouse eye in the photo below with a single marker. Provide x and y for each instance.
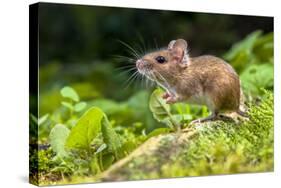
(160, 59)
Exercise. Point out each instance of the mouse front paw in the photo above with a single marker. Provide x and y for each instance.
(165, 95)
(171, 100)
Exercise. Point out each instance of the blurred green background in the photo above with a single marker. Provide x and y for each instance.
(78, 47)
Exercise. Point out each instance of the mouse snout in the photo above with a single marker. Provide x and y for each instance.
(142, 64)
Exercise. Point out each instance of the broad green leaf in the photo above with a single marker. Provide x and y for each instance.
(43, 119)
(80, 106)
(110, 137)
(242, 52)
(67, 105)
(86, 129)
(257, 77)
(264, 48)
(158, 106)
(265, 39)
(162, 111)
(69, 92)
(139, 103)
(245, 45)
(57, 137)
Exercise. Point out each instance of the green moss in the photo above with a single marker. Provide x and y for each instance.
(224, 148)
(219, 148)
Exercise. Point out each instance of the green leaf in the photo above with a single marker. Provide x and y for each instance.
(264, 47)
(70, 93)
(67, 105)
(43, 119)
(245, 45)
(57, 137)
(158, 106)
(79, 106)
(242, 52)
(110, 137)
(162, 111)
(86, 129)
(183, 117)
(256, 77)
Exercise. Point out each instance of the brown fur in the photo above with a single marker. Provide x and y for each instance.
(205, 76)
(217, 79)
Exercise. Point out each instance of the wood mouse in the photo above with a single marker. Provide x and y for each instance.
(204, 80)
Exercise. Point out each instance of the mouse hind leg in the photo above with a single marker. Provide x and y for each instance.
(242, 113)
(214, 116)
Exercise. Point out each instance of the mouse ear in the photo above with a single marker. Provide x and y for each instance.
(177, 43)
(171, 44)
(178, 49)
(180, 43)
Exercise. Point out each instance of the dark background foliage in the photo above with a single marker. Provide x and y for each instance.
(83, 33)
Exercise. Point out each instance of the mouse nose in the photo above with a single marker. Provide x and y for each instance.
(139, 63)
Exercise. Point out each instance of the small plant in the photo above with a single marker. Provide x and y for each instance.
(92, 143)
(174, 116)
(72, 100)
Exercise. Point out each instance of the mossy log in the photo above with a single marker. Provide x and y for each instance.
(155, 152)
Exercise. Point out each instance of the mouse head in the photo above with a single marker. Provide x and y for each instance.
(164, 64)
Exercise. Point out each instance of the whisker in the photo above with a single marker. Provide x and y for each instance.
(120, 57)
(126, 71)
(131, 48)
(142, 42)
(143, 80)
(146, 83)
(141, 50)
(165, 81)
(138, 79)
(132, 54)
(125, 67)
(156, 45)
(148, 78)
(133, 78)
(130, 78)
